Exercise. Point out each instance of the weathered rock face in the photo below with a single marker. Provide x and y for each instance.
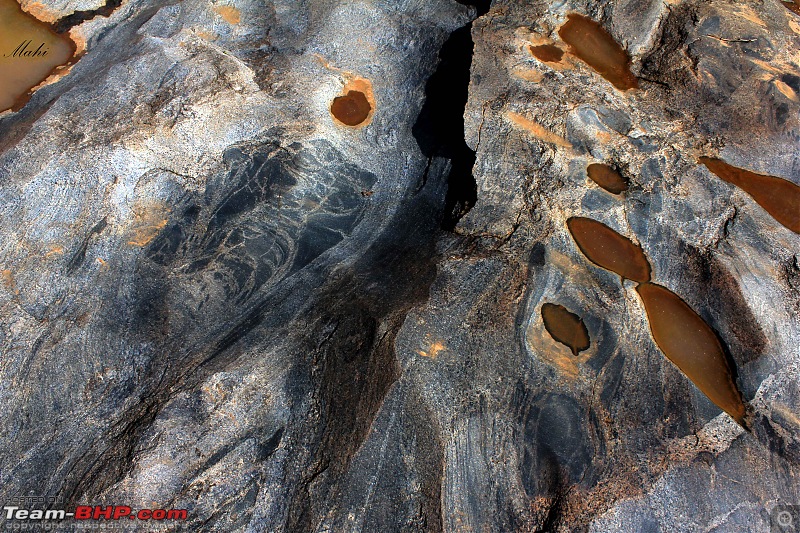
(220, 297)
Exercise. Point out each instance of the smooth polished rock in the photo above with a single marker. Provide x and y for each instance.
(218, 297)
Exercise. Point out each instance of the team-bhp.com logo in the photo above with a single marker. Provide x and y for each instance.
(785, 519)
(18, 517)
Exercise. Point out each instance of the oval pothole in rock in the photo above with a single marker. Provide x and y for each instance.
(547, 53)
(607, 177)
(779, 197)
(356, 105)
(608, 249)
(591, 43)
(692, 346)
(565, 327)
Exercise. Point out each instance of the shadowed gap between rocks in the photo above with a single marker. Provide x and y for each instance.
(439, 129)
(68, 22)
(351, 372)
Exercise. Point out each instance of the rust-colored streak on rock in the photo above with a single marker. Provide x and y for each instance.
(608, 249)
(351, 109)
(590, 42)
(537, 130)
(565, 327)
(779, 197)
(30, 51)
(692, 346)
(607, 177)
(547, 53)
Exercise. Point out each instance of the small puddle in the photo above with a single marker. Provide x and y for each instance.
(607, 177)
(30, 51)
(351, 109)
(779, 197)
(547, 53)
(692, 346)
(590, 42)
(356, 105)
(608, 249)
(792, 6)
(565, 327)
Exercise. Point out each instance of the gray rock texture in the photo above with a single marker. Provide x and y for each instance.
(217, 298)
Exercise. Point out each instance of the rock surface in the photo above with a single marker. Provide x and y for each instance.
(216, 297)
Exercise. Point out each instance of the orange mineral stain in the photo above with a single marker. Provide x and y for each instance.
(537, 130)
(30, 51)
(229, 14)
(356, 105)
(147, 223)
(590, 42)
(608, 249)
(8, 280)
(607, 177)
(565, 327)
(692, 346)
(779, 197)
(434, 350)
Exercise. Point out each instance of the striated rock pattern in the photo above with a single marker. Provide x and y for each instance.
(283, 264)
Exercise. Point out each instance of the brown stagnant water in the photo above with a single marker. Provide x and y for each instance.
(692, 346)
(608, 249)
(30, 51)
(793, 6)
(607, 177)
(565, 327)
(590, 42)
(352, 109)
(779, 197)
(547, 52)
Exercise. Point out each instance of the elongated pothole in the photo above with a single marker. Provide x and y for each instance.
(565, 327)
(779, 197)
(607, 177)
(692, 346)
(608, 249)
(547, 53)
(591, 43)
(30, 52)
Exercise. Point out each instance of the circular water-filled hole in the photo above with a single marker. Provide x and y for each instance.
(351, 109)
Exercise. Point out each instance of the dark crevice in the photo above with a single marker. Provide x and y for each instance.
(79, 256)
(439, 129)
(65, 24)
